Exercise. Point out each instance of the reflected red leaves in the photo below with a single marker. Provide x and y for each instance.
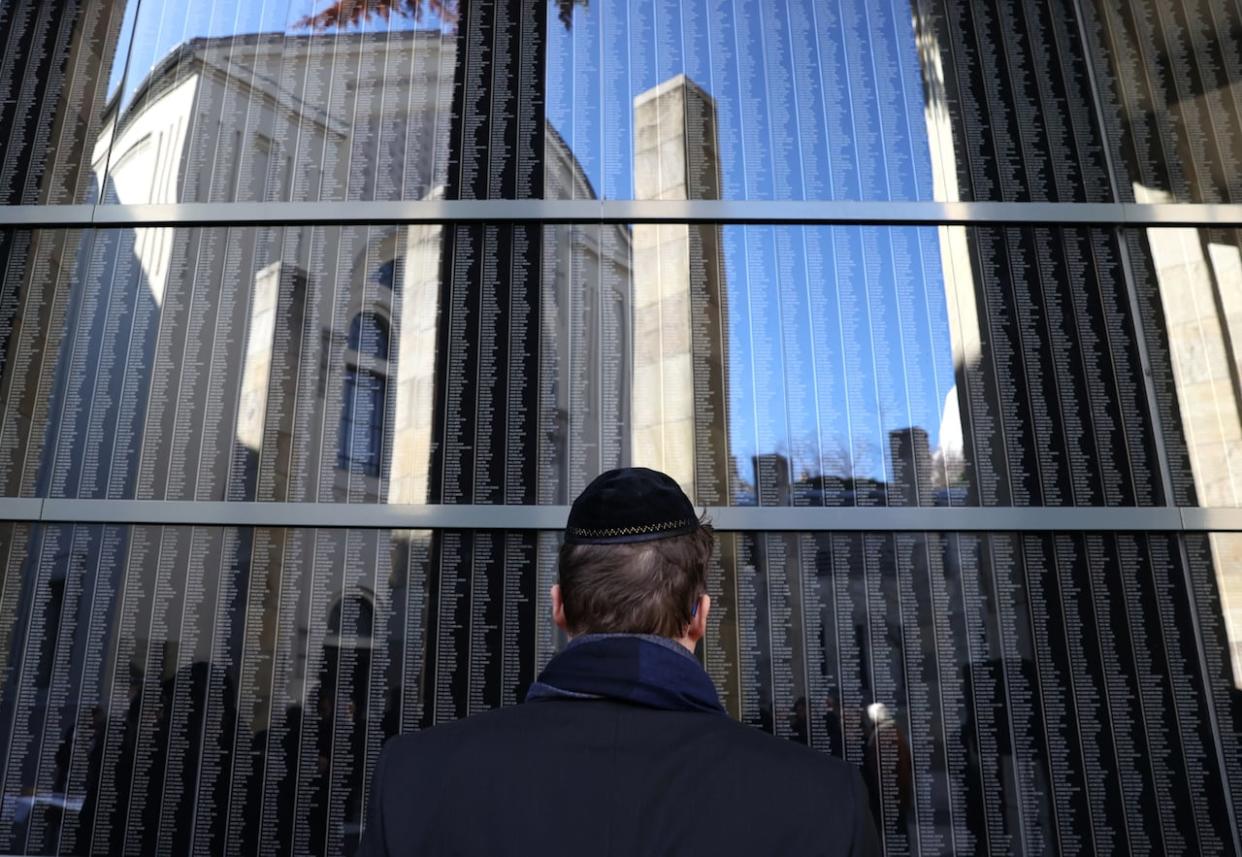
(346, 13)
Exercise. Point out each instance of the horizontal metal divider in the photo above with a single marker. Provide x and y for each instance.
(724, 518)
(47, 215)
(1211, 520)
(362, 515)
(20, 509)
(621, 211)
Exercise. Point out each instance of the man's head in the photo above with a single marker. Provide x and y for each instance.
(634, 560)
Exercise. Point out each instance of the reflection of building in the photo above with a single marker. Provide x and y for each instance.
(1199, 281)
(910, 462)
(1198, 276)
(278, 142)
(678, 422)
(342, 322)
(771, 471)
(587, 293)
(1176, 284)
(586, 323)
(415, 367)
(259, 384)
(368, 371)
(278, 139)
(658, 399)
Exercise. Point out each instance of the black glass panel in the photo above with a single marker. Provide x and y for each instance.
(1170, 82)
(670, 99)
(229, 689)
(61, 65)
(1010, 110)
(1053, 370)
(1215, 561)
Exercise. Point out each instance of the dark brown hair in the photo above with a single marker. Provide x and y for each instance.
(635, 587)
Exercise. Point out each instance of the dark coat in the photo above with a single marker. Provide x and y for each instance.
(579, 777)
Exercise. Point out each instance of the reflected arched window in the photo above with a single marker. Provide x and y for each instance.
(355, 624)
(386, 273)
(368, 335)
(361, 442)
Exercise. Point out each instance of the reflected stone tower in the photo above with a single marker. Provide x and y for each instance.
(678, 417)
(910, 462)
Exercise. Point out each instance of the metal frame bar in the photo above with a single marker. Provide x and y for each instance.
(20, 509)
(724, 518)
(47, 215)
(1211, 520)
(623, 211)
(361, 515)
(1133, 519)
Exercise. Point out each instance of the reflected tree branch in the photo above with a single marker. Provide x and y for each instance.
(347, 13)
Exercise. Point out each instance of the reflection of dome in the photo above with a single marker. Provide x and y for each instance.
(181, 136)
(351, 629)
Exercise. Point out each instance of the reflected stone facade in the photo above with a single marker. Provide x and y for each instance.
(678, 419)
(270, 468)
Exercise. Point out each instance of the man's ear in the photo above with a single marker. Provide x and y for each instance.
(698, 622)
(558, 609)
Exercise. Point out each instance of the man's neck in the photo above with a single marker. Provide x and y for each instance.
(684, 642)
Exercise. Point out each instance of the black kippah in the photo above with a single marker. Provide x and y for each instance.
(630, 504)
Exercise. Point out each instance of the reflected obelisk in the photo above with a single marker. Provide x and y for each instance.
(678, 404)
(678, 415)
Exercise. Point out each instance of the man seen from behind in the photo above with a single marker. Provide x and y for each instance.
(621, 746)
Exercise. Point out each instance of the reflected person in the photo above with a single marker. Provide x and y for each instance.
(622, 746)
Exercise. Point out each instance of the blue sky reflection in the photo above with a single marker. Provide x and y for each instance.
(838, 336)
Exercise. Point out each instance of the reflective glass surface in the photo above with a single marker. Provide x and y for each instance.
(759, 365)
(61, 66)
(1190, 283)
(305, 100)
(291, 101)
(228, 689)
(1170, 86)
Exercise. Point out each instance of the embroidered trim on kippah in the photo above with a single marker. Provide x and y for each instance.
(628, 531)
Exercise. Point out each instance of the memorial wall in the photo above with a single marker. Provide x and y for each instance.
(179, 677)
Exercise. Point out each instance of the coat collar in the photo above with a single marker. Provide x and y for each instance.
(636, 668)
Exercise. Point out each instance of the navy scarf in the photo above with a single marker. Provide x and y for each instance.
(634, 668)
